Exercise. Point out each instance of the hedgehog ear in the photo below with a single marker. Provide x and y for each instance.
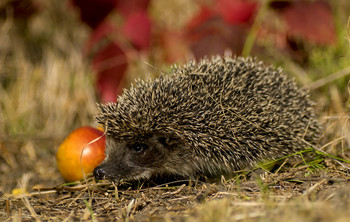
(167, 141)
(162, 140)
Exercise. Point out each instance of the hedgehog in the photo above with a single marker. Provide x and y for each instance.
(209, 118)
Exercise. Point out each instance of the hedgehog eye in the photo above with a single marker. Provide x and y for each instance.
(163, 141)
(138, 147)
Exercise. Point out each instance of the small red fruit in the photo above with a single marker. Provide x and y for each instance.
(74, 155)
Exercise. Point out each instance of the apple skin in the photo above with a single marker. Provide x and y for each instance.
(72, 149)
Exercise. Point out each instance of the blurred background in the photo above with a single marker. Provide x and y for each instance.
(59, 58)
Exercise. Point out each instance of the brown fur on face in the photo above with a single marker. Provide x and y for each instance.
(143, 157)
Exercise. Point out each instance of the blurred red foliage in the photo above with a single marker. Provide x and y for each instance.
(110, 60)
(311, 21)
(222, 25)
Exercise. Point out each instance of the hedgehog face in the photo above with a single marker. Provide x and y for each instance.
(137, 158)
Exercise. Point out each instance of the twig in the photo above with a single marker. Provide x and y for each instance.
(312, 188)
(330, 78)
(30, 208)
(176, 191)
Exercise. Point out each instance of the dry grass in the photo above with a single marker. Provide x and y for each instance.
(47, 97)
(47, 89)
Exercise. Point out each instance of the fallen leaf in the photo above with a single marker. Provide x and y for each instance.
(127, 7)
(215, 36)
(19, 191)
(110, 64)
(311, 21)
(236, 11)
(137, 29)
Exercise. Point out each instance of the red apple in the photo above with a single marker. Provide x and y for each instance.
(76, 155)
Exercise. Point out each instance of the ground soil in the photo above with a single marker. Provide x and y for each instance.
(299, 192)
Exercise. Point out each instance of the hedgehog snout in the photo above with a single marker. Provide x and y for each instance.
(100, 173)
(103, 172)
(113, 171)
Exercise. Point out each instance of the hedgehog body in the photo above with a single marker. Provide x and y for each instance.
(208, 118)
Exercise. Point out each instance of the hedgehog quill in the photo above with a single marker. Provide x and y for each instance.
(205, 119)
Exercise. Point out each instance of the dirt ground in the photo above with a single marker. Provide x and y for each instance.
(318, 190)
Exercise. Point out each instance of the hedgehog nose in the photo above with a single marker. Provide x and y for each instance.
(99, 173)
